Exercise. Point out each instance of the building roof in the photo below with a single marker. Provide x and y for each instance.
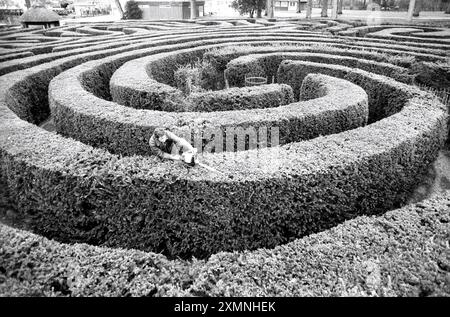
(39, 13)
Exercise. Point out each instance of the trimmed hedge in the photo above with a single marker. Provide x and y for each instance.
(267, 65)
(367, 256)
(265, 96)
(104, 124)
(92, 31)
(252, 35)
(142, 92)
(7, 57)
(385, 97)
(125, 90)
(72, 192)
(407, 34)
(55, 66)
(436, 75)
(125, 201)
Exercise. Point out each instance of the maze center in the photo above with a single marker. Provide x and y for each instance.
(343, 130)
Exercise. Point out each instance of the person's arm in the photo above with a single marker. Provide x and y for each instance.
(158, 152)
(182, 143)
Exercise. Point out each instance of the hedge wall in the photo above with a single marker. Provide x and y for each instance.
(100, 123)
(7, 57)
(57, 63)
(268, 63)
(404, 35)
(265, 96)
(366, 256)
(72, 192)
(139, 91)
(385, 97)
(253, 35)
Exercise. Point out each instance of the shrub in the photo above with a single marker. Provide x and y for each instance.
(125, 88)
(267, 65)
(384, 96)
(434, 75)
(359, 254)
(401, 60)
(265, 96)
(70, 191)
(236, 77)
(109, 133)
(196, 77)
(132, 11)
(188, 79)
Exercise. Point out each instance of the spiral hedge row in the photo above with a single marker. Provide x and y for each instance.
(88, 183)
(104, 124)
(381, 183)
(367, 256)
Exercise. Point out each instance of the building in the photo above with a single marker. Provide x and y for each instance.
(289, 5)
(40, 17)
(174, 10)
(373, 6)
(223, 7)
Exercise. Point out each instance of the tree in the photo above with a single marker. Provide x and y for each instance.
(249, 6)
(324, 13)
(132, 11)
(6, 3)
(448, 8)
(352, 4)
(417, 8)
(269, 9)
(309, 6)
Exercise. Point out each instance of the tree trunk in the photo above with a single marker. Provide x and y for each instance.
(193, 10)
(448, 8)
(340, 5)
(299, 10)
(258, 13)
(309, 9)
(28, 3)
(417, 8)
(334, 8)
(324, 13)
(269, 8)
(412, 4)
(118, 5)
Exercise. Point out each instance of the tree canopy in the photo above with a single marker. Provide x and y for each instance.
(132, 11)
(249, 7)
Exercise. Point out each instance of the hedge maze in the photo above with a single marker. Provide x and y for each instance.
(333, 145)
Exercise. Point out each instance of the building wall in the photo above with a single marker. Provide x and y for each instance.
(288, 5)
(162, 11)
(169, 10)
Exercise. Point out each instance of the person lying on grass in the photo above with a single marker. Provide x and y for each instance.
(167, 145)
